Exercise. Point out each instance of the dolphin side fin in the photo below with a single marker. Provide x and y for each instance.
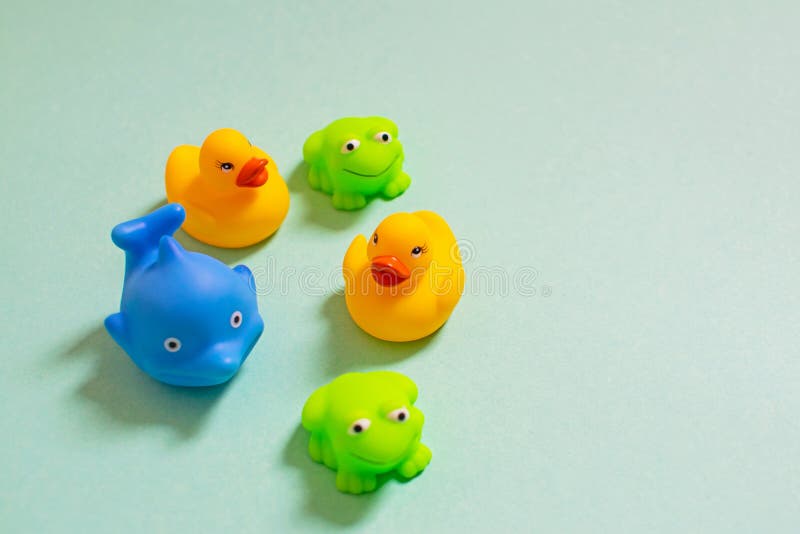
(115, 324)
(247, 275)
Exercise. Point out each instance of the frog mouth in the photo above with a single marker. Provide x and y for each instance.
(373, 175)
(392, 461)
(376, 462)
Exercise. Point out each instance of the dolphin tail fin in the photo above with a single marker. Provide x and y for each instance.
(142, 235)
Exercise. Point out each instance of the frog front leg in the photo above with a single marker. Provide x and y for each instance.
(348, 201)
(321, 450)
(397, 186)
(350, 482)
(313, 178)
(416, 462)
(315, 447)
(319, 180)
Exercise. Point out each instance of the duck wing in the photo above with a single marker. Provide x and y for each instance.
(355, 256)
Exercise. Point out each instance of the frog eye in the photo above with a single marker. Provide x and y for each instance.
(359, 426)
(225, 166)
(375, 239)
(351, 146)
(236, 319)
(383, 137)
(400, 415)
(172, 344)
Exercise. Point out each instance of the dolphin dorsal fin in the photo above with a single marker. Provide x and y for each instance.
(169, 250)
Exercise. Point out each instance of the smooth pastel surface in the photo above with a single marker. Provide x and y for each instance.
(634, 163)
(364, 425)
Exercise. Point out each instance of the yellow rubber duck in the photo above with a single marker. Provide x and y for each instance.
(403, 283)
(232, 191)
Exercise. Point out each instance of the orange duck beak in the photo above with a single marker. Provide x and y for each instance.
(253, 174)
(389, 271)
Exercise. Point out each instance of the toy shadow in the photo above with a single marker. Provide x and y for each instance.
(130, 398)
(158, 204)
(322, 498)
(349, 348)
(317, 207)
(230, 256)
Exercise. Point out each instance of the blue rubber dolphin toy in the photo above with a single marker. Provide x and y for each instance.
(185, 318)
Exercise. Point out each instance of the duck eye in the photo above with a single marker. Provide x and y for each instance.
(350, 146)
(236, 319)
(416, 252)
(375, 239)
(400, 415)
(359, 426)
(226, 166)
(172, 344)
(383, 137)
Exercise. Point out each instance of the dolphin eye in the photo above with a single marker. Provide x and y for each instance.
(225, 166)
(172, 344)
(236, 319)
(374, 239)
(350, 146)
(383, 137)
(400, 415)
(359, 426)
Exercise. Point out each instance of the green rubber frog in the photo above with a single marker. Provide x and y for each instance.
(365, 424)
(355, 159)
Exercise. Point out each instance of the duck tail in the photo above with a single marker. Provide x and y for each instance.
(139, 237)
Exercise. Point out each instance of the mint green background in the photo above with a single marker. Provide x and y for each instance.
(641, 157)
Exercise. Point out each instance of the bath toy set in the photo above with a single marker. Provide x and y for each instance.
(187, 319)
